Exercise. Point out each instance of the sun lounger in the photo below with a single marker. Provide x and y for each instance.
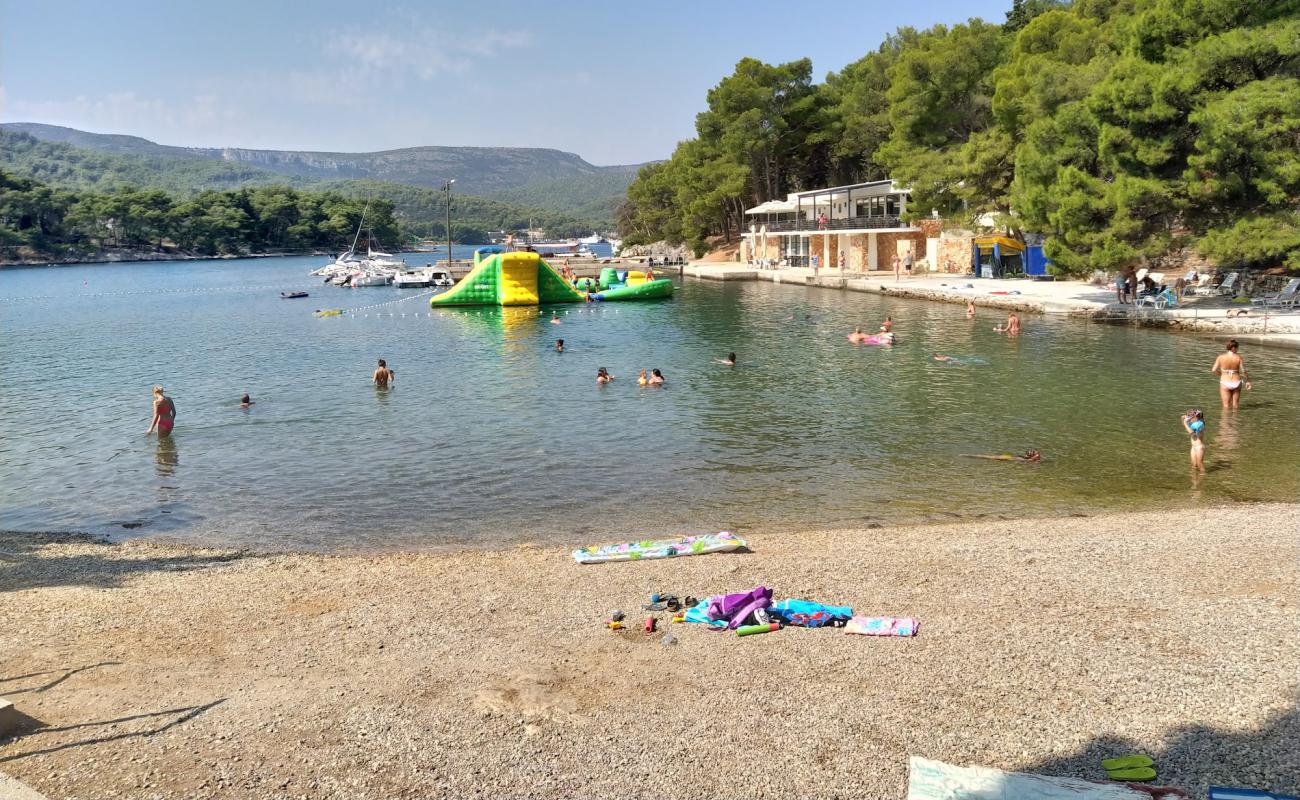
(1229, 285)
(1286, 297)
(1164, 298)
(1205, 288)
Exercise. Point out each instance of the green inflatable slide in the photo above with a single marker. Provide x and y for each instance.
(524, 279)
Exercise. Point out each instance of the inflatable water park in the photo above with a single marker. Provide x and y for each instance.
(524, 279)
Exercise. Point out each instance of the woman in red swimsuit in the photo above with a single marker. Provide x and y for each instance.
(164, 413)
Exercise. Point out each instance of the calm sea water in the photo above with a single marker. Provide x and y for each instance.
(489, 436)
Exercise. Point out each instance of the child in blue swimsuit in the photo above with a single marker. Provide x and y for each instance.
(1194, 424)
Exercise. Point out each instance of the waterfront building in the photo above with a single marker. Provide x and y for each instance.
(863, 222)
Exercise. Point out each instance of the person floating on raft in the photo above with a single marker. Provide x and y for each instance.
(884, 337)
(1030, 456)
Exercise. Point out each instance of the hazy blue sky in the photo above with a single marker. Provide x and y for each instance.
(615, 82)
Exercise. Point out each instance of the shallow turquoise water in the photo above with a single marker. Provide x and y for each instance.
(489, 436)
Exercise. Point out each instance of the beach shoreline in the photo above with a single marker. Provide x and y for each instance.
(155, 670)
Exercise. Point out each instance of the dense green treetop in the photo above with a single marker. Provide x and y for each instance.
(1119, 129)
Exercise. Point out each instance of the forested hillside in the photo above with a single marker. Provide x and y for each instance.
(419, 212)
(1118, 128)
(547, 179)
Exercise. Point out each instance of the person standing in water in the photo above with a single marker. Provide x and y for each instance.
(559, 345)
(383, 375)
(656, 377)
(603, 377)
(970, 309)
(1194, 424)
(1012, 328)
(164, 413)
(887, 325)
(1232, 375)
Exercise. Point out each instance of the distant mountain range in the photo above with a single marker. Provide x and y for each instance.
(541, 178)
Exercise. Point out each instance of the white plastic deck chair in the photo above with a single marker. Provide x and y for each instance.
(1229, 285)
(1286, 297)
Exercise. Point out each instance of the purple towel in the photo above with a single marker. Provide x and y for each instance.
(736, 608)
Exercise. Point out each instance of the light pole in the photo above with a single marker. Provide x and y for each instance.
(446, 187)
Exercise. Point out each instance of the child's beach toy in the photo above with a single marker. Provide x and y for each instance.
(751, 630)
(659, 548)
(649, 624)
(614, 625)
(1133, 774)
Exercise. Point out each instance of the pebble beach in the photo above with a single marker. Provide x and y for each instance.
(149, 670)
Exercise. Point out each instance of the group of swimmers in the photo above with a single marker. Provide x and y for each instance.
(1228, 366)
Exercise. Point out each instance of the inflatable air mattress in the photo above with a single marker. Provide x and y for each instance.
(659, 548)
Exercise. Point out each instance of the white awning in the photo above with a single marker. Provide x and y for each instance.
(772, 207)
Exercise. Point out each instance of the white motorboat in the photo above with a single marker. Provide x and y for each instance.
(595, 238)
(371, 279)
(440, 277)
(412, 280)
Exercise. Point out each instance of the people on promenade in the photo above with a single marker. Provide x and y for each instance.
(842, 262)
(1121, 287)
(897, 264)
(656, 377)
(164, 413)
(1194, 424)
(816, 264)
(1232, 375)
(603, 377)
(383, 375)
(907, 261)
(559, 345)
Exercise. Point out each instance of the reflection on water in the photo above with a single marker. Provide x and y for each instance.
(494, 436)
(166, 457)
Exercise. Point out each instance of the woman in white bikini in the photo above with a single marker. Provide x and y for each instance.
(1232, 375)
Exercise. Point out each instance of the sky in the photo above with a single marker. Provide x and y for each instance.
(615, 82)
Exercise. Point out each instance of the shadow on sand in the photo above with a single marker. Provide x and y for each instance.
(29, 729)
(1196, 757)
(22, 565)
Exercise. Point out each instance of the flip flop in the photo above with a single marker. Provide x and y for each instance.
(1133, 774)
(1126, 762)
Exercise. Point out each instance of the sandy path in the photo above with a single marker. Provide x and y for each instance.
(169, 672)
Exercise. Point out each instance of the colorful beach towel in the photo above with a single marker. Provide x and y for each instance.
(1228, 793)
(883, 626)
(935, 780)
(659, 548)
(807, 614)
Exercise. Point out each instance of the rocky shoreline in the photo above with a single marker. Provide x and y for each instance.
(130, 256)
(148, 670)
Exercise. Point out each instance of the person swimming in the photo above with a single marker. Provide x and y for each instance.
(603, 377)
(887, 325)
(559, 345)
(970, 309)
(729, 361)
(1194, 424)
(857, 336)
(1232, 375)
(383, 375)
(949, 360)
(642, 379)
(1030, 455)
(164, 413)
(656, 378)
(555, 319)
(245, 401)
